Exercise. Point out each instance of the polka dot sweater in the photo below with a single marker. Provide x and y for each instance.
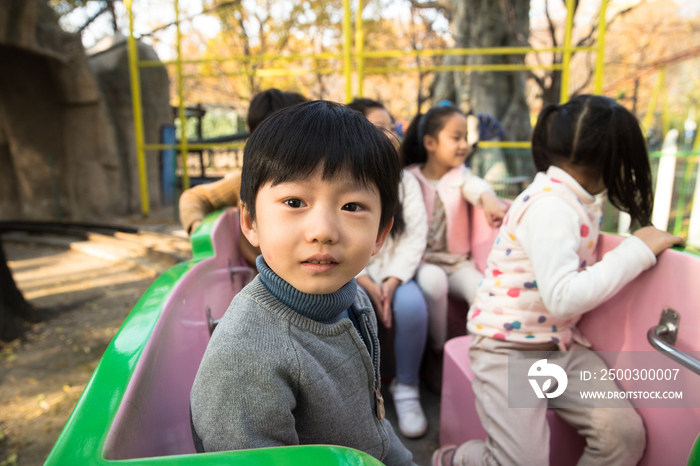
(511, 305)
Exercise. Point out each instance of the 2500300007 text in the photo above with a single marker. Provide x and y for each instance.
(633, 374)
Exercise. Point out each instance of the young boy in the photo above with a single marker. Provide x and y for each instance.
(295, 359)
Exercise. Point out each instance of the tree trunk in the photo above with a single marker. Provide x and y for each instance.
(489, 23)
(552, 94)
(14, 309)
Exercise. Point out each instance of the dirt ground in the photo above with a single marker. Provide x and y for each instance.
(43, 375)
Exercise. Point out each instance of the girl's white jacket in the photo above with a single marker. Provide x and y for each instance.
(400, 257)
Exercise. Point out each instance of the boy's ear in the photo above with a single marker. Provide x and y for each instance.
(248, 227)
(381, 236)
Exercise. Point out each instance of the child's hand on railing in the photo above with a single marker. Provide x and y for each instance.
(658, 240)
(494, 209)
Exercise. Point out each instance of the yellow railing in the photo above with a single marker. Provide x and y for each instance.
(181, 101)
(566, 52)
(505, 144)
(602, 25)
(136, 106)
(347, 55)
(203, 146)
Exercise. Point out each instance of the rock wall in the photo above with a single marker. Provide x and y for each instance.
(109, 62)
(64, 151)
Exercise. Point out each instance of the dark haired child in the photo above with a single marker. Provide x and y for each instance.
(267, 102)
(376, 113)
(295, 359)
(435, 148)
(199, 201)
(388, 280)
(543, 274)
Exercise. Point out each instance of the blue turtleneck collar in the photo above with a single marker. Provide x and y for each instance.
(319, 307)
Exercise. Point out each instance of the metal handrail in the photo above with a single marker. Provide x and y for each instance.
(248, 273)
(233, 270)
(663, 336)
(211, 323)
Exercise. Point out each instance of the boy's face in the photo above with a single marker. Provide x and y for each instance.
(316, 234)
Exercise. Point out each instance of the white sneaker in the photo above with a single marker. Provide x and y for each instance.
(412, 420)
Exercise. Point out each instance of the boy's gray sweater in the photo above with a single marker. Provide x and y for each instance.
(272, 377)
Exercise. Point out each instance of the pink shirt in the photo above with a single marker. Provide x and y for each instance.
(457, 187)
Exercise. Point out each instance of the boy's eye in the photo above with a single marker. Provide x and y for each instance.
(352, 207)
(293, 203)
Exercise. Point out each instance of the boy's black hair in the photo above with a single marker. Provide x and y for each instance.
(429, 124)
(603, 138)
(363, 105)
(290, 144)
(267, 102)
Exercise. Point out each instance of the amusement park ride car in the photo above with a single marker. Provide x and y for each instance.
(134, 410)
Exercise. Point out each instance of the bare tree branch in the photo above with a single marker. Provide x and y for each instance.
(437, 4)
(188, 18)
(538, 80)
(262, 37)
(594, 28)
(414, 45)
(508, 12)
(246, 40)
(94, 17)
(575, 4)
(552, 29)
(649, 68)
(589, 77)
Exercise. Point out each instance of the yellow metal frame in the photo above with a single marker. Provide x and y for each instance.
(347, 70)
(653, 99)
(566, 52)
(181, 102)
(600, 55)
(136, 106)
